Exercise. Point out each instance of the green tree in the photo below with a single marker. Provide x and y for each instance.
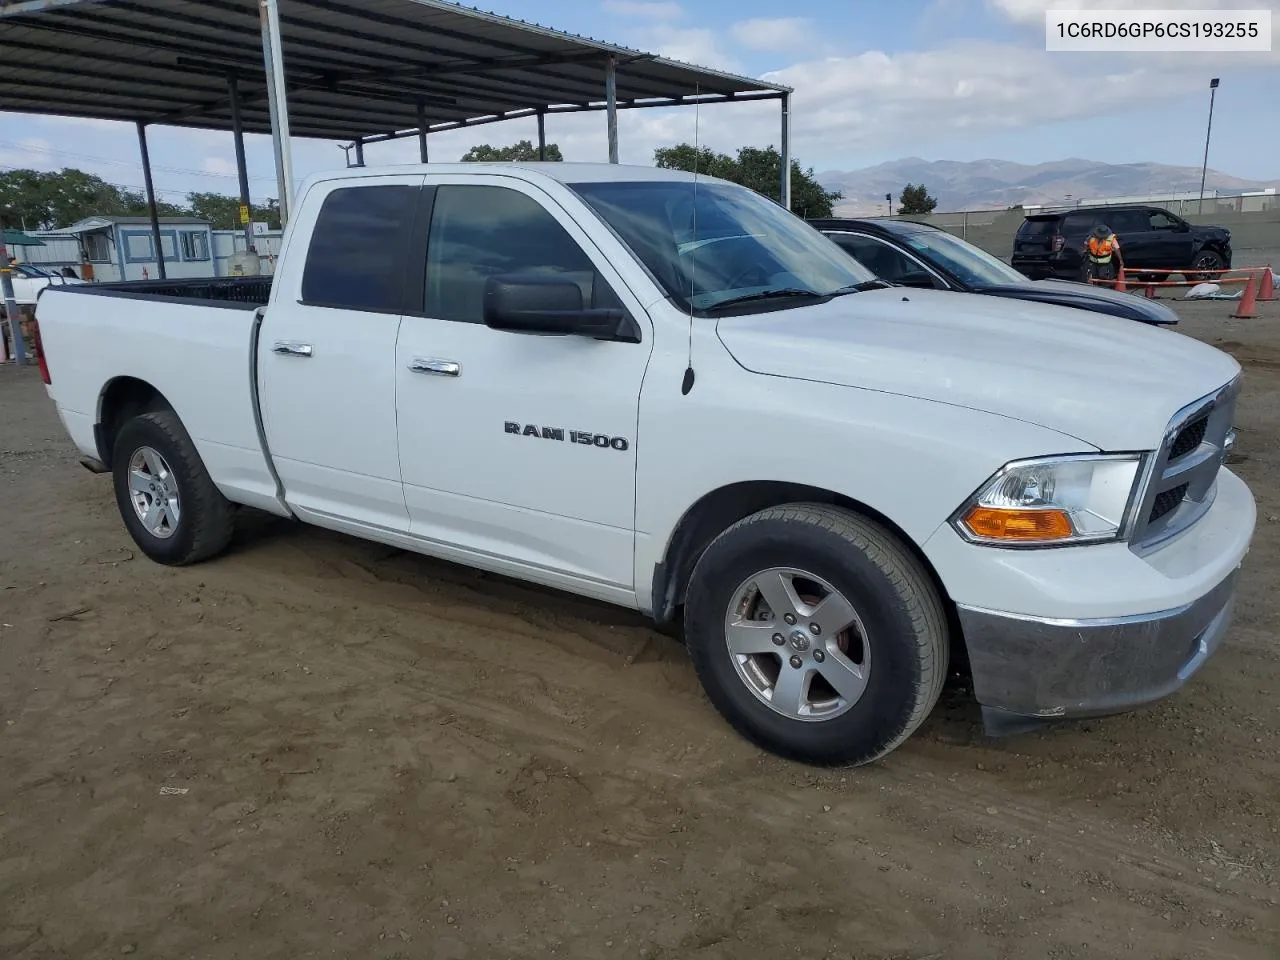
(759, 169)
(916, 199)
(685, 156)
(524, 150)
(46, 200)
(224, 212)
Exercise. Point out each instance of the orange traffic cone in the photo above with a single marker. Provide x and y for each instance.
(1120, 285)
(1245, 311)
(1267, 290)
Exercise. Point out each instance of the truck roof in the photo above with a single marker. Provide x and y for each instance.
(555, 170)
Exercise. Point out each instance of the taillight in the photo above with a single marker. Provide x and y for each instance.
(39, 345)
(1058, 243)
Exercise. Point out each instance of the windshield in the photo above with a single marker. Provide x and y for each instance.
(728, 244)
(29, 271)
(973, 266)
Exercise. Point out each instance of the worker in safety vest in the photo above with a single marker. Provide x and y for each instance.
(1101, 253)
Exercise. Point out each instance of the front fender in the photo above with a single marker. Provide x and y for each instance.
(911, 461)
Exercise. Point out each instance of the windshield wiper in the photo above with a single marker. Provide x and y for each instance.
(779, 294)
(860, 287)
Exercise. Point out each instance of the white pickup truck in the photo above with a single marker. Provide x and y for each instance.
(668, 393)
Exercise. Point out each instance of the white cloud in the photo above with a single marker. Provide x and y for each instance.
(33, 153)
(848, 108)
(875, 98)
(642, 10)
(113, 125)
(692, 45)
(779, 33)
(1032, 11)
(218, 166)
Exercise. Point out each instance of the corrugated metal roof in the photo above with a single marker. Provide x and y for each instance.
(99, 223)
(16, 238)
(354, 68)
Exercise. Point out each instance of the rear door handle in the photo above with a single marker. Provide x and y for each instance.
(292, 348)
(439, 368)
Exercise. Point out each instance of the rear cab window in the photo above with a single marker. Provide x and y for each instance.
(357, 258)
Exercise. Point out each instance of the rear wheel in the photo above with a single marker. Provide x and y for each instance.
(816, 634)
(166, 497)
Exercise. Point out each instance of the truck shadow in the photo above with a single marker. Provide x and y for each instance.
(380, 574)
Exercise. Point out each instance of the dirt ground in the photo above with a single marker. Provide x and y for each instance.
(318, 747)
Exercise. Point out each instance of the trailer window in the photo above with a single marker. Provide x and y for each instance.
(195, 245)
(97, 247)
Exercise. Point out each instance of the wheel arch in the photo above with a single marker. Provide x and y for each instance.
(719, 509)
(121, 399)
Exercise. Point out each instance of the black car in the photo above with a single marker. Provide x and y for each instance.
(1052, 244)
(919, 255)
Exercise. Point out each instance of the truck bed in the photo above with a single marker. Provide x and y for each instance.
(193, 341)
(243, 293)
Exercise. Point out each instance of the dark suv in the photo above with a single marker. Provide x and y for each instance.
(1052, 244)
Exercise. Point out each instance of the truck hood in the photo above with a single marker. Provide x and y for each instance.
(1112, 385)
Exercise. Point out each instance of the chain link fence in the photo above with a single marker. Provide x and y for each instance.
(1252, 218)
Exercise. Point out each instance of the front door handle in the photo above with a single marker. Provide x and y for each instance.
(439, 368)
(292, 348)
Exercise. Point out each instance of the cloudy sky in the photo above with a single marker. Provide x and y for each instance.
(875, 80)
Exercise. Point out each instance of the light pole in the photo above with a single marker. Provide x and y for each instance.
(1204, 170)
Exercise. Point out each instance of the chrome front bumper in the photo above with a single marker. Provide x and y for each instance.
(1028, 668)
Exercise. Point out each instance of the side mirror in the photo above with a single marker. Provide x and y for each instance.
(534, 303)
(1182, 226)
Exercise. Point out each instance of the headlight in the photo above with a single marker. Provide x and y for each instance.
(1053, 501)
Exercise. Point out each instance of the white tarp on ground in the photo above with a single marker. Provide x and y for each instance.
(1213, 291)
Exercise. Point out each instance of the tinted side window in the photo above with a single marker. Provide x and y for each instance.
(878, 257)
(480, 231)
(856, 246)
(1162, 221)
(1038, 227)
(1079, 223)
(359, 249)
(1129, 221)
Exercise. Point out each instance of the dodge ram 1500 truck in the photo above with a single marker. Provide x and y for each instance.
(666, 392)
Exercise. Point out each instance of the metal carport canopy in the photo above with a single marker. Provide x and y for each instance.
(357, 70)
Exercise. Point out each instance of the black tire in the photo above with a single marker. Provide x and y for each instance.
(895, 599)
(206, 518)
(1206, 260)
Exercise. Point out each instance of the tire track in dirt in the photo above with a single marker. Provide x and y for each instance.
(1095, 848)
(1101, 843)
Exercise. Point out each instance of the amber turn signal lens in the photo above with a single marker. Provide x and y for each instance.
(992, 523)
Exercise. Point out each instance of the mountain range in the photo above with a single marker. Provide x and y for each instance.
(995, 184)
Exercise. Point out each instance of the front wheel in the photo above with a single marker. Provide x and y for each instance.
(1206, 260)
(817, 634)
(166, 497)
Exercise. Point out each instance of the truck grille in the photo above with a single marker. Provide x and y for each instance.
(1182, 480)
